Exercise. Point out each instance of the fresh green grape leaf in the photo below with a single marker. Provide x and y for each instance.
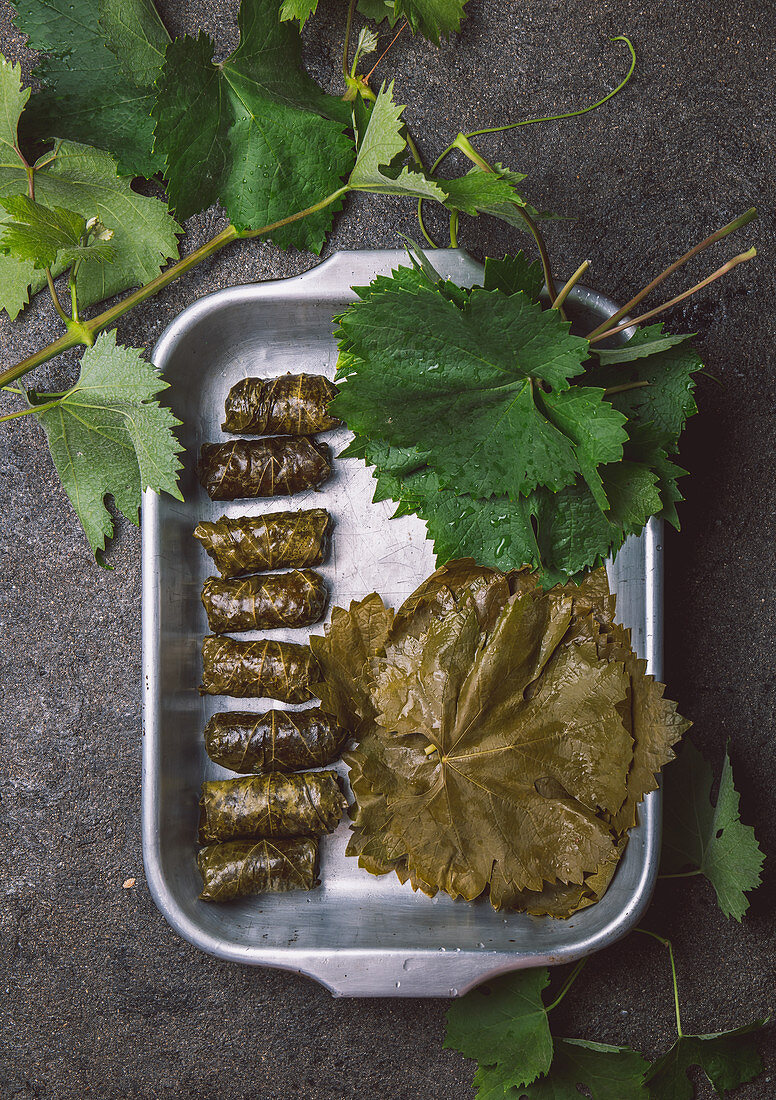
(514, 273)
(108, 435)
(606, 1072)
(626, 353)
(381, 144)
(393, 465)
(300, 10)
(497, 532)
(728, 1058)
(15, 274)
(465, 384)
(13, 98)
(431, 18)
(85, 180)
(481, 192)
(254, 131)
(661, 398)
(478, 189)
(574, 535)
(45, 234)
(377, 10)
(508, 208)
(668, 474)
(561, 534)
(504, 1026)
(136, 36)
(15, 279)
(86, 94)
(711, 839)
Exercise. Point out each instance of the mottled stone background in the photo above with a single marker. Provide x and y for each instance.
(98, 997)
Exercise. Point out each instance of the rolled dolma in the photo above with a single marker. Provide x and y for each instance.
(294, 404)
(276, 540)
(244, 867)
(265, 669)
(261, 603)
(276, 741)
(273, 467)
(303, 804)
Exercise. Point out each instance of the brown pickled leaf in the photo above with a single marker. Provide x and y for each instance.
(303, 804)
(239, 867)
(274, 741)
(475, 802)
(654, 724)
(275, 540)
(290, 599)
(443, 591)
(352, 640)
(280, 466)
(561, 900)
(258, 670)
(293, 404)
(505, 759)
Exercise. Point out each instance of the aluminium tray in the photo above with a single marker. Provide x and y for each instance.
(356, 934)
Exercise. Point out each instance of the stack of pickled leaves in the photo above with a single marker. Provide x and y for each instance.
(506, 735)
(517, 442)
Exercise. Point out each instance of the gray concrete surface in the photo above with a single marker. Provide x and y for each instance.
(98, 998)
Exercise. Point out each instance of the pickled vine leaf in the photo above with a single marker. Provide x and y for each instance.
(265, 669)
(273, 805)
(273, 540)
(353, 639)
(243, 867)
(507, 735)
(274, 741)
(290, 599)
(280, 466)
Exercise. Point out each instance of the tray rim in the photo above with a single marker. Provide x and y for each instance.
(455, 973)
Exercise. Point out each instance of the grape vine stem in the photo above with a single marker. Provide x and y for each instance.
(85, 331)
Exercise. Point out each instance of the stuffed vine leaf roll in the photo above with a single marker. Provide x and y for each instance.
(264, 669)
(279, 466)
(276, 540)
(276, 741)
(244, 867)
(303, 804)
(293, 404)
(261, 603)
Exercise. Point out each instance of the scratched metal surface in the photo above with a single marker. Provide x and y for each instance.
(356, 934)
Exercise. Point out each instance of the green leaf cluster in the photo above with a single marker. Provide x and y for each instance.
(109, 436)
(97, 75)
(504, 1026)
(254, 131)
(702, 837)
(50, 235)
(431, 18)
(82, 210)
(517, 443)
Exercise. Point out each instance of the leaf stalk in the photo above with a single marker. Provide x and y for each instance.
(55, 297)
(667, 943)
(346, 44)
(83, 332)
(742, 258)
(567, 985)
(731, 227)
(566, 290)
(31, 409)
